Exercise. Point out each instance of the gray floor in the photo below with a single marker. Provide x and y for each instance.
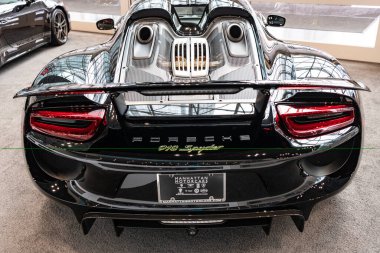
(29, 222)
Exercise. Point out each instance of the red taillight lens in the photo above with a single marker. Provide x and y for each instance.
(311, 121)
(75, 125)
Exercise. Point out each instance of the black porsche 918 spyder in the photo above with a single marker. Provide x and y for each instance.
(26, 25)
(192, 115)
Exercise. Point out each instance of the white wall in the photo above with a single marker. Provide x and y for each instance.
(340, 51)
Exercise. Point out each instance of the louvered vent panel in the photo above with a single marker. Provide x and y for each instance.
(199, 57)
(181, 58)
(190, 57)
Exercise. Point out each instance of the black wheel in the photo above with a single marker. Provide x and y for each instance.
(59, 28)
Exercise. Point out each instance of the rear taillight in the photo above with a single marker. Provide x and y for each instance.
(71, 125)
(309, 121)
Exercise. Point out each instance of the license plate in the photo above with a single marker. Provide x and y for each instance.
(191, 188)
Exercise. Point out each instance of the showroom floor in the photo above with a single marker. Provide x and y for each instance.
(29, 222)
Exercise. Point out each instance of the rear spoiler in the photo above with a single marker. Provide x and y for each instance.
(182, 88)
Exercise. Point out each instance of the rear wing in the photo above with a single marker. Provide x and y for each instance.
(182, 88)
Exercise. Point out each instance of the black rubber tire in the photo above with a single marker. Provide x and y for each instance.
(59, 28)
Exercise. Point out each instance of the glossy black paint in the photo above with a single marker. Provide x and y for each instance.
(268, 173)
(25, 26)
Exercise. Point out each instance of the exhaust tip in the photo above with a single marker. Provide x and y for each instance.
(235, 33)
(145, 35)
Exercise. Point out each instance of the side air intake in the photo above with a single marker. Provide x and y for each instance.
(190, 57)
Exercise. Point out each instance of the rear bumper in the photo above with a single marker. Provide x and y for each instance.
(240, 210)
(257, 193)
(83, 204)
(192, 218)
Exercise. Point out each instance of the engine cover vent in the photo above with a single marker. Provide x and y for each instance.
(190, 57)
(180, 59)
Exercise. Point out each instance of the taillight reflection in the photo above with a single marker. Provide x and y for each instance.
(310, 121)
(70, 125)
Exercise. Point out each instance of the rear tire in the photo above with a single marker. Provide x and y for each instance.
(59, 28)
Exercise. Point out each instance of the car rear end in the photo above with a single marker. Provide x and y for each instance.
(194, 155)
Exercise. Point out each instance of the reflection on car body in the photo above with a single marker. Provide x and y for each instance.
(29, 24)
(192, 89)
